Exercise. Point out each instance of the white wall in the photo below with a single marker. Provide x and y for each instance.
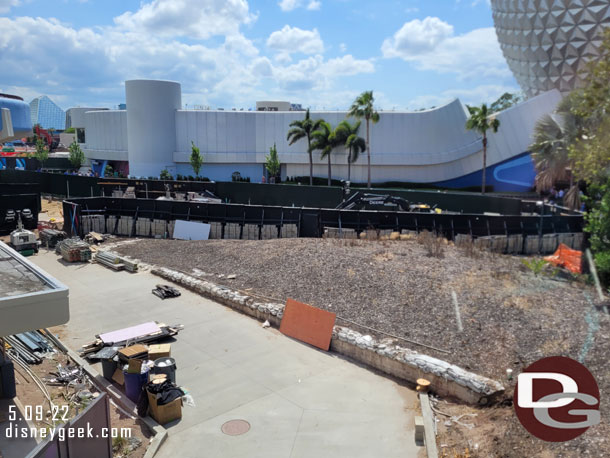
(425, 146)
(151, 125)
(106, 135)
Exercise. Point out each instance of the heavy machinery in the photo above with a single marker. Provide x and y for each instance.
(22, 240)
(52, 142)
(365, 201)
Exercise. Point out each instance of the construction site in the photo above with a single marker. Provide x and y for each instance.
(249, 319)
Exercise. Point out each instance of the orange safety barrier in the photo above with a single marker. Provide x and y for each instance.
(567, 258)
(308, 324)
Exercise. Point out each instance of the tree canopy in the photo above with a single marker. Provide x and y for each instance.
(77, 157)
(196, 159)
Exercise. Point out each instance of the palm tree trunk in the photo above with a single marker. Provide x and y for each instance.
(329, 171)
(368, 153)
(484, 162)
(349, 165)
(310, 161)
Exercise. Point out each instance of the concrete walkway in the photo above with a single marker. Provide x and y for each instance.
(300, 402)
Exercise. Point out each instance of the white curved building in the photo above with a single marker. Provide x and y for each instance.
(425, 147)
(547, 43)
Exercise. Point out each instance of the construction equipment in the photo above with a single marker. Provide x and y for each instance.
(51, 142)
(22, 240)
(365, 201)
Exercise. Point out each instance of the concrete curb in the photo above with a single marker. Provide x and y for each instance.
(445, 379)
(429, 426)
(159, 432)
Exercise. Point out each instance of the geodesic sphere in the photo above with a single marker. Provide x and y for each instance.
(548, 42)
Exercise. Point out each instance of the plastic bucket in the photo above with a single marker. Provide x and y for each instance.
(166, 366)
(108, 368)
(134, 384)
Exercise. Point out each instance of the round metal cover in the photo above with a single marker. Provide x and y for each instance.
(235, 427)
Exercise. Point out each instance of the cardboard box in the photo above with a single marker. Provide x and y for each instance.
(165, 413)
(159, 351)
(133, 351)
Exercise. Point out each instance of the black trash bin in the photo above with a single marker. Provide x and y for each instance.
(7, 378)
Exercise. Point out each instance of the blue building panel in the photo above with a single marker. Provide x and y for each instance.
(516, 174)
(20, 116)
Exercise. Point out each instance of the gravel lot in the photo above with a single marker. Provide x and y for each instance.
(511, 318)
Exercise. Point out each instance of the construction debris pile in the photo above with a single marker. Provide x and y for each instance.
(116, 261)
(51, 237)
(150, 332)
(74, 250)
(165, 291)
(29, 347)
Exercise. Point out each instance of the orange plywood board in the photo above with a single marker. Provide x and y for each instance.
(308, 324)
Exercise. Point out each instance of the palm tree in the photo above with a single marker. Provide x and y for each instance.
(354, 144)
(551, 151)
(363, 108)
(481, 121)
(325, 139)
(304, 129)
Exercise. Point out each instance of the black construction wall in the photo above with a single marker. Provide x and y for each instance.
(257, 194)
(279, 194)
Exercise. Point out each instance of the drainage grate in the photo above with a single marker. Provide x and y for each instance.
(235, 427)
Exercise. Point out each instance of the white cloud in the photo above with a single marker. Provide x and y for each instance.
(292, 39)
(316, 73)
(432, 45)
(192, 18)
(289, 5)
(417, 37)
(6, 5)
(229, 71)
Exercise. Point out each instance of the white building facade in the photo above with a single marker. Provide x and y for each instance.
(431, 146)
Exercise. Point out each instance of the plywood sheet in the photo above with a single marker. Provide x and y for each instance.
(308, 324)
(191, 230)
(130, 333)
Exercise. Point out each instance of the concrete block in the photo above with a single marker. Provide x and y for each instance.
(549, 243)
(514, 244)
(419, 430)
(531, 244)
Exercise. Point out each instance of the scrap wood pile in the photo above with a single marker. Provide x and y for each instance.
(94, 238)
(74, 250)
(51, 237)
(115, 261)
(151, 332)
(165, 291)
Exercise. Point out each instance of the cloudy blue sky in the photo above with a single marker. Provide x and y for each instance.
(230, 53)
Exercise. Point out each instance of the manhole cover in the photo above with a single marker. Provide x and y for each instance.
(236, 427)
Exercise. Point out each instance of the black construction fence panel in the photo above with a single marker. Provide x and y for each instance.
(455, 201)
(311, 222)
(152, 189)
(54, 163)
(280, 194)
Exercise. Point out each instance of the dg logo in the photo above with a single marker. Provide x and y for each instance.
(557, 399)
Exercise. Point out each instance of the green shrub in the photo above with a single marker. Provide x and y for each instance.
(165, 175)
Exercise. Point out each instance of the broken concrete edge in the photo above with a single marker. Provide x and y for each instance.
(158, 431)
(445, 379)
(429, 426)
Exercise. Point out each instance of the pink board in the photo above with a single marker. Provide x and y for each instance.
(130, 333)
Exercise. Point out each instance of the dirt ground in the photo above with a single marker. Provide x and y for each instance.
(51, 210)
(511, 317)
(30, 395)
